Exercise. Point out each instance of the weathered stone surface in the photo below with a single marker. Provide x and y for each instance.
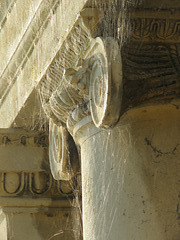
(130, 176)
(42, 39)
(33, 204)
(130, 170)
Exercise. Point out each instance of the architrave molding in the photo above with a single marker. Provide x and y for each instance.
(28, 183)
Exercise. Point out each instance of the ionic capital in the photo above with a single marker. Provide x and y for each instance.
(85, 80)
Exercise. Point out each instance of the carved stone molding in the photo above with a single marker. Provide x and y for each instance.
(25, 178)
(30, 184)
(20, 137)
(156, 29)
(162, 26)
(151, 65)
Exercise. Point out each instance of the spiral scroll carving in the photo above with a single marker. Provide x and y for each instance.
(63, 164)
(106, 84)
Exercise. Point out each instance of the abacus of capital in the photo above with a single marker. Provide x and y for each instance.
(112, 105)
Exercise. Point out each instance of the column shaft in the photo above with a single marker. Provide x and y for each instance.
(131, 177)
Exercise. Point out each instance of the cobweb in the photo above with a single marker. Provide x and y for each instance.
(116, 23)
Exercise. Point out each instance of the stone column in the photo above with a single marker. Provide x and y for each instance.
(131, 176)
(33, 205)
(121, 107)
